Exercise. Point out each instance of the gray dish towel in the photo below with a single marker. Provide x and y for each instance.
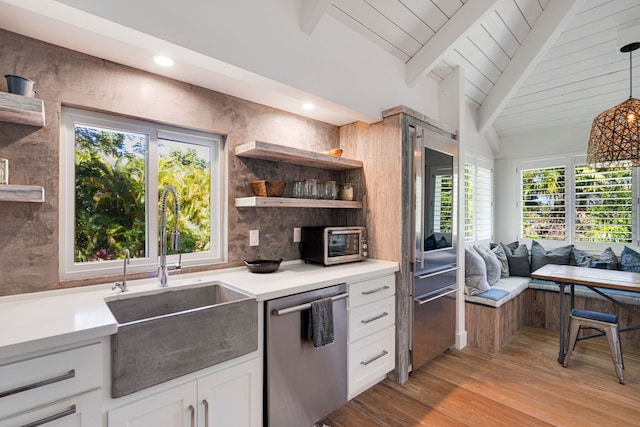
(320, 324)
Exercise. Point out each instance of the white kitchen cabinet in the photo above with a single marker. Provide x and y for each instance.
(371, 333)
(229, 397)
(62, 388)
(82, 410)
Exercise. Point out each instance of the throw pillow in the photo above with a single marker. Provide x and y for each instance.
(609, 258)
(475, 273)
(518, 260)
(502, 257)
(491, 261)
(513, 245)
(582, 258)
(630, 260)
(541, 257)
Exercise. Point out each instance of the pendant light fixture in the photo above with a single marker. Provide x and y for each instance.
(615, 134)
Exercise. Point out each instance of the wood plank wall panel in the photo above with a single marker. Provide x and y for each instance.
(543, 312)
(379, 147)
(490, 328)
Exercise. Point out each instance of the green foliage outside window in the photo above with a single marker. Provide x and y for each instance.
(602, 204)
(603, 207)
(110, 193)
(543, 203)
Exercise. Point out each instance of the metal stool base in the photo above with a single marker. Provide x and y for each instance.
(611, 330)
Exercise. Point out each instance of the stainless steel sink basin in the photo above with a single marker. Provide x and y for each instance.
(175, 331)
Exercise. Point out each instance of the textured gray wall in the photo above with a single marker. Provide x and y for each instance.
(29, 232)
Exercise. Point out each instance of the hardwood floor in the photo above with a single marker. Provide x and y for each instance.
(522, 385)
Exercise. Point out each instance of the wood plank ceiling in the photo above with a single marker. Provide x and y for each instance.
(575, 73)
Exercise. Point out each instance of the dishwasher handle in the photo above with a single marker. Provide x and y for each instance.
(302, 307)
(434, 296)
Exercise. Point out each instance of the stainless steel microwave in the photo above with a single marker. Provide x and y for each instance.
(333, 245)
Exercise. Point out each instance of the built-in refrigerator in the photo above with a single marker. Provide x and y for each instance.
(434, 265)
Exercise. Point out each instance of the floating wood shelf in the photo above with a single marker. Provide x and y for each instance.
(21, 109)
(284, 202)
(280, 153)
(21, 193)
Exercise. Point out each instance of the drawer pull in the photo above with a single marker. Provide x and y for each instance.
(193, 415)
(206, 412)
(373, 291)
(67, 376)
(379, 316)
(66, 413)
(374, 358)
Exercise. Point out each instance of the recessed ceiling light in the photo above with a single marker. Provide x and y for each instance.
(308, 106)
(164, 61)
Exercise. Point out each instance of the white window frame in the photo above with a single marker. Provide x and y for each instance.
(68, 268)
(569, 162)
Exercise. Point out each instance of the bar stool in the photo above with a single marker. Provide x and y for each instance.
(603, 322)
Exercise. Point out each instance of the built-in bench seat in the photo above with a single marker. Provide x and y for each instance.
(494, 316)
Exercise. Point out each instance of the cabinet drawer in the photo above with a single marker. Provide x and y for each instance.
(370, 359)
(371, 290)
(83, 410)
(34, 382)
(369, 318)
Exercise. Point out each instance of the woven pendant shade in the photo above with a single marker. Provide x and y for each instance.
(615, 136)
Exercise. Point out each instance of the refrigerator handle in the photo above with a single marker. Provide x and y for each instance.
(435, 297)
(419, 165)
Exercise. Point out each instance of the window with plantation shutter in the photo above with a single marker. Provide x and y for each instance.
(484, 203)
(543, 208)
(478, 198)
(469, 178)
(603, 205)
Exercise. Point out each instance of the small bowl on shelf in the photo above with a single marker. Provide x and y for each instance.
(263, 265)
(268, 188)
(336, 152)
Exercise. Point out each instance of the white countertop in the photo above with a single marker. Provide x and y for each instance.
(37, 321)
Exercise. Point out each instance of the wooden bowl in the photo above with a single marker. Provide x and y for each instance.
(268, 188)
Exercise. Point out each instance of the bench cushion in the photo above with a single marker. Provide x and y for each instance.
(505, 290)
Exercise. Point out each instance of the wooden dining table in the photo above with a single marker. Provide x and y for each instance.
(596, 280)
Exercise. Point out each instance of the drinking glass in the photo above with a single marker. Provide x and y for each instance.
(330, 190)
(298, 189)
(310, 188)
(4, 171)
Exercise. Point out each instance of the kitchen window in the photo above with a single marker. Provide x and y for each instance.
(113, 171)
(563, 199)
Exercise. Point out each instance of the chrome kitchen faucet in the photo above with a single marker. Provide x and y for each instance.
(123, 285)
(175, 234)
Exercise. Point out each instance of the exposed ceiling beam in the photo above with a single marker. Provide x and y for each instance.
(441, 43)
(546, 30)
(311, 11)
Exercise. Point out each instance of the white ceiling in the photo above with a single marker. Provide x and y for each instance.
(528, 64)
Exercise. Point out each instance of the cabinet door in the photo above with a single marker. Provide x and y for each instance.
(83, 410)
(172, 408)
(232, 397)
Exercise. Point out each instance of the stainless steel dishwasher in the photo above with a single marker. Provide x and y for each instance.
(303, 384)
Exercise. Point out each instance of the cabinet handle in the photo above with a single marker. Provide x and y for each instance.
(374, 358)
(206, 412)
(70, 411)
(68, 375)
(379, 316)
(193, 415)
(373, 291)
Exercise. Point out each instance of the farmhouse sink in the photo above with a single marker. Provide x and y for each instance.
(171, 332)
